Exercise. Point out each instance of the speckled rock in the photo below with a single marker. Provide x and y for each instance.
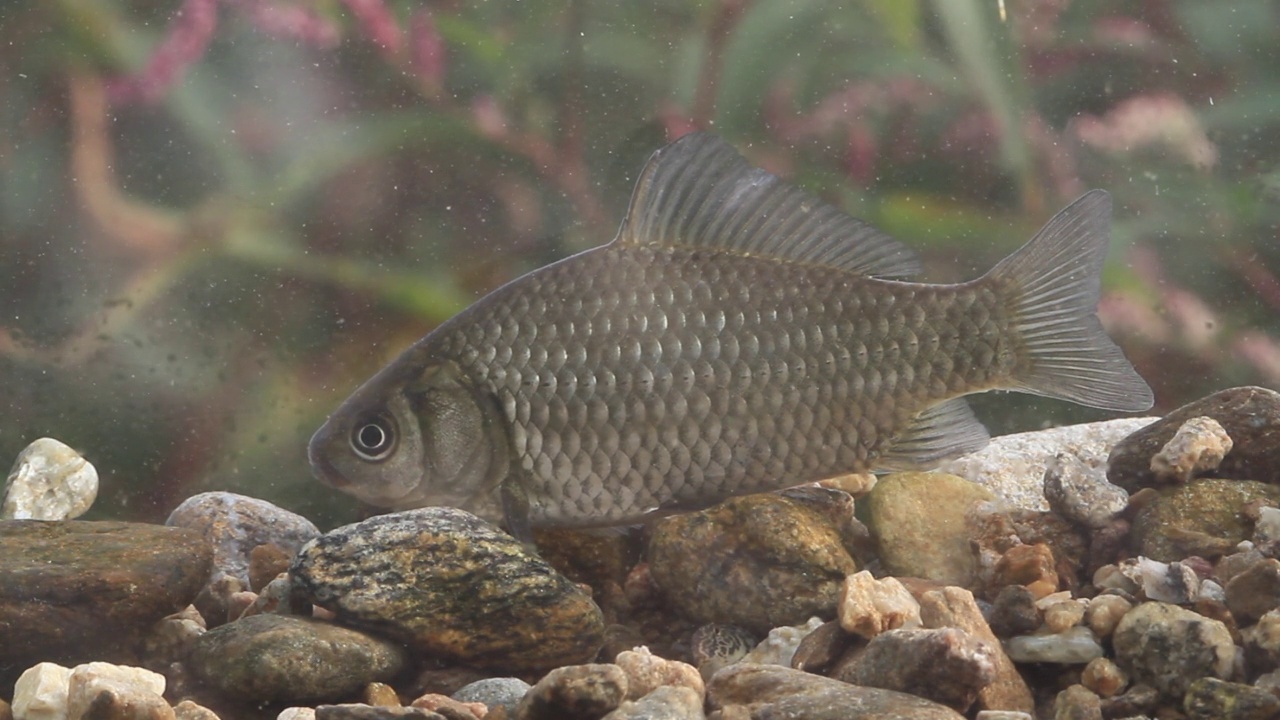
(1204, 517)
(575, 692)
(449, 584)
(76, 591)
(1168, 648)
(716, 645)
(1254, 592)
(956, 608)
(494, 692)
(49, 481)
(1080, 492)
(1214, 699)
(759, 561)
(277, 658)
(664, 703)
(236, 526)
(1104, 677)
(770, 691)
(1250, 415)
(1077, 703)
(946, 665)
(1262, 644)
(1013, 466)
(903, 503)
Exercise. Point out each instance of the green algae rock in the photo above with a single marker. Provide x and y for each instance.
(918, 520)
(1204, 517)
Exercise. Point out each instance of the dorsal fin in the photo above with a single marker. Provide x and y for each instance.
(698, 191)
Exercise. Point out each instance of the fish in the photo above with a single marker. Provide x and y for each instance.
(737, 336)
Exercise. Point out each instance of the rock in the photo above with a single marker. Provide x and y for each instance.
(379, 693)
(1003, 715)
(236, 526)
(664, 703)
(49, 481)
(1247, 414)
(1076, 646)
(1063, 615)
(1079, 491)
(1214, 699)
(575, 692)
(277, 658)
(1139, 701)
(1262, 644)
(1254, 592)
(1013, 467)
(75, 591)
(779, 646)
(41, 692)
(1104, 677)
(945, 665)
(494, 692)
(1197, 447)
(297, 713)
(188, 710)
(358, 711)
(759, 561)
(449, 708)
(1031, 566)
(451, 585)
(820, 649)
(1167, 647)
(903, 503)
(869, 606)
(102, 690)
(170, 640)
(1014, 612)
(770, 691)
(647, 672)
(955, 607)
(1077, 703)
(1204, 517)
(1266, 531)
(714, 646)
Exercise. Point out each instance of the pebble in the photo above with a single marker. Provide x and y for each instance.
(103, 690)
(1003, 715)
(903, 503)
(1167, 647)
(1196, 448)
(49, 481)
(449, 708)
(946, 665)
(1214, 699)
(1262, 644)
(716, 645)
(188, 710)
(41, 692)
(1077, 703)
(379, 693)
(84, 591)
(869, 606)
(1254, 592)
(1247, 414)
(1014, 612)
(494, 692)
(820, 649)
(278, 658)
(1079, 491)
(1076, 646)
(747, 690)
(1063, 615)
(1031, 566)
(448, 584)
(759, 561)
(954, 607)
(1204, 517)
(575, 692)
(237, 526)
(779, 646)
(1104, 677)
(359, 711)
(1013, 466)
(647, 672)
(664, 703)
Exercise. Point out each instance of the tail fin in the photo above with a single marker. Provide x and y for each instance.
(1056, 281)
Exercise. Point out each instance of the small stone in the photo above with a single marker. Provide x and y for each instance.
(103, 690)
(747, 690)
(945, 665)
(494, 692)
(1214, 699)
(819, 650)
(1205, 517)
(41, 692)
(1266, 531)
(955, 607)
(646, 672)
(1254, 592)
(664, 703)
(575, 692)
(1198, 446)
(779, 646)
(448, 584)
(1014, 612)
(1104, 677)
(1077, 703)
(1139, 701)
(377, 693)
(297, 713)
(277, 658)
(1030, 565)
(449, 708)
(759, 561)
(902, 503)
(869, 606)
(1262, 644)
(1211, 591)
(1104, 613)
(1079, 492)
(1076, 646)
(360, 711)
(49, 481)
(1168, 647)
(188, 710)
(716, 645)
(170, 640)
(267, 562)
(1003, 715)
(1063, 615)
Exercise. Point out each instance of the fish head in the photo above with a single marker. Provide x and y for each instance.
(415, 437)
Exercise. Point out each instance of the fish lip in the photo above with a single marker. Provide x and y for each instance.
(321, 467)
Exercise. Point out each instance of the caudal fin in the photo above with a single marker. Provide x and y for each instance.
(1056, 282)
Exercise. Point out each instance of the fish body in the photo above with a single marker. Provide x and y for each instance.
(738, 336)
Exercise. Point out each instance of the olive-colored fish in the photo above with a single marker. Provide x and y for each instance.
(737, 336)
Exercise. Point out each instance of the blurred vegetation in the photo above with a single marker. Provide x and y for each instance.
(217, 217)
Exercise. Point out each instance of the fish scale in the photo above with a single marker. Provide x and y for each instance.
(737, 336)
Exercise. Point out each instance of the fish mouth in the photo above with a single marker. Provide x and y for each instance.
(321, 467)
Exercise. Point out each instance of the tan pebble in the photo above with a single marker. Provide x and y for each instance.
(647, 672)
(868, 606)
(117, 691)
(1104, 613)
(187, 710)
(1029, 565)
(381, 695)
(1198, 446)
(1064, 615)
(1104, 677)
(449, 707)
(297, 713)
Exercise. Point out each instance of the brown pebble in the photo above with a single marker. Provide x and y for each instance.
(381, 694)
(1063, 615)
(1104, 677)
(1255, 591)
(451, 709)
(1029, 565)
(1104, 613)
(1077, 703)
(266, 562)
(819, 650)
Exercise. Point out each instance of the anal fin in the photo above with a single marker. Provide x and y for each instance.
(942, 431)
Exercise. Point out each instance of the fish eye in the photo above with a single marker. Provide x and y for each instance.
(374, 438)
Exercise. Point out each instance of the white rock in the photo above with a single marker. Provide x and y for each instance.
(1003, 715)
(297, 713)
(780, 646)
(869, 606)
(41, 693)
(49, 481)
(1013, 466)
(135, 687)
(1076, 646)
(1199, 446)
